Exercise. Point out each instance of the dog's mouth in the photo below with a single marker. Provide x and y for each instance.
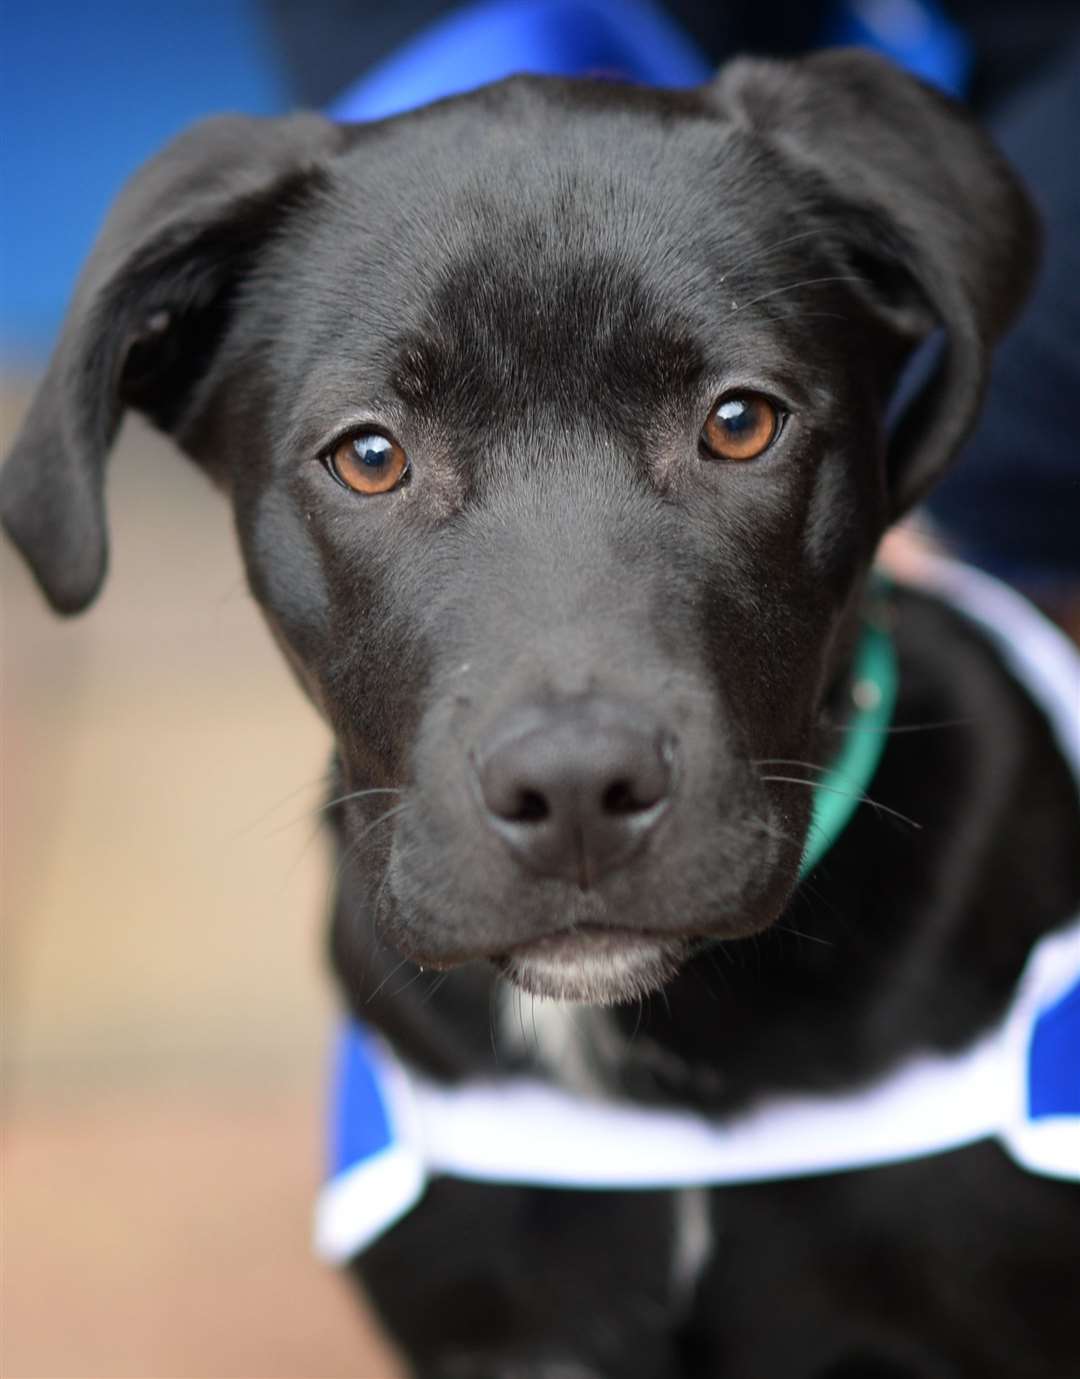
(594, 965)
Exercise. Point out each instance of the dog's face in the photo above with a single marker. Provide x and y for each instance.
(553, 419)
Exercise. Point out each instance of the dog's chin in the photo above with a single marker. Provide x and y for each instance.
(594, 966)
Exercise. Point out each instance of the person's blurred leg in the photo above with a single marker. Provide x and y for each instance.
(1013, 501)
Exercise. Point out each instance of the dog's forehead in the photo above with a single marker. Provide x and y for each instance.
(532, 174)
(513, 245)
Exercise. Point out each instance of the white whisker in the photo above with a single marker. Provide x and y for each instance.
(769, 249)
(804, 282)
(849, 794)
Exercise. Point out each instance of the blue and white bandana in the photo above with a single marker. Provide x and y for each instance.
(1019, 1083)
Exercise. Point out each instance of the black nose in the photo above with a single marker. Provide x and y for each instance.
(575, 788)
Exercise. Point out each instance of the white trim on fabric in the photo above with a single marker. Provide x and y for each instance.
(356, 1207)
(1039, 654)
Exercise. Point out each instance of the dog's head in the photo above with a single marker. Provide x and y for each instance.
(553, 417)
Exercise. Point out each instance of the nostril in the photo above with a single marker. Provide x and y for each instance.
(645, 784)
(531, 808)
(622, 798)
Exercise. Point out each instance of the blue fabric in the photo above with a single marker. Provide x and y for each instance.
(362, 1126)
(914, 33)
(1054, 1063)
(631, 39)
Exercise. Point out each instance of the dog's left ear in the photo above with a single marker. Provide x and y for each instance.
(150, 310)
(930, 213)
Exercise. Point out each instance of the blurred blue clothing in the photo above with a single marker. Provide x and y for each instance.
(632, 39)
(628, 39)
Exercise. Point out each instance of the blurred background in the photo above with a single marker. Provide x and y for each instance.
(164, 1006)
(164, 886)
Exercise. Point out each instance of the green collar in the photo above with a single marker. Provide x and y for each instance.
(843, 785)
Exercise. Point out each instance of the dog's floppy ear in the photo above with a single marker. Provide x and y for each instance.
(149, 310)
(932, 216)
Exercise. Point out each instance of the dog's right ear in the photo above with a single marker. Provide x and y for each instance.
(934, 224)
(149, 311)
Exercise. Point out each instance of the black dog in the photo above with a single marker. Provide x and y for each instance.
(553, 417)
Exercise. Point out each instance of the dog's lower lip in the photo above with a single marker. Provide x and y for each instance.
(594, 964)
(590, 937)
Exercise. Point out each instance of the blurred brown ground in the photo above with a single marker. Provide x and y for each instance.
(164, 1007)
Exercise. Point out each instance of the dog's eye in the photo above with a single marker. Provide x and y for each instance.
(368, 462)
(741, 426)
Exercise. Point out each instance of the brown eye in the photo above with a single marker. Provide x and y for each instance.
(740, 427)
(368, 463)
